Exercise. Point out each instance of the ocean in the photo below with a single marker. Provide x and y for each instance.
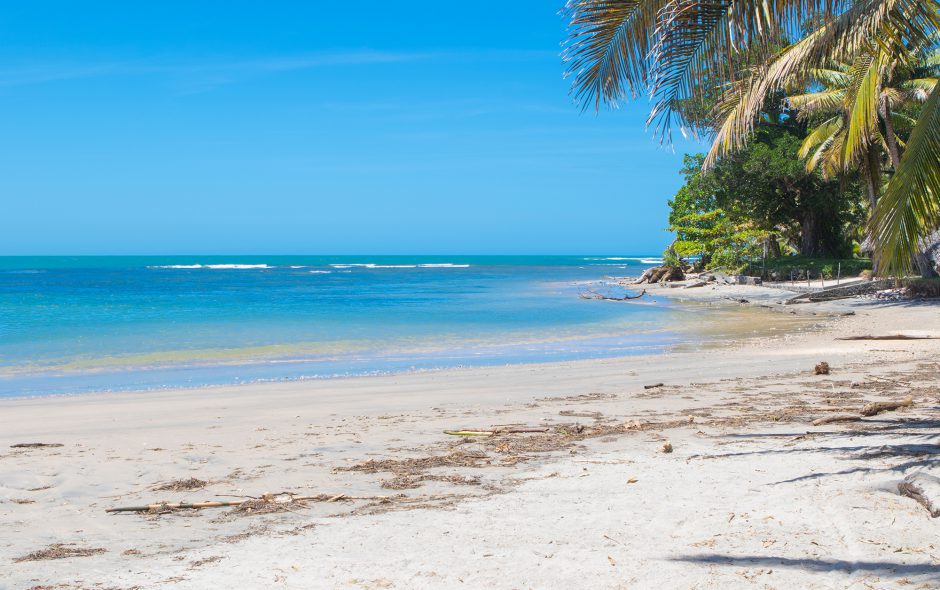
(84, 324)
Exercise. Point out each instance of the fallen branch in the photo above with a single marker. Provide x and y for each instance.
(495, 431)
(573, 414)
(267, 498)
(837, 418)
(595, 295)
(887, 337)
(871, 409)
(875, 408)
(35, 445)
(924, 489)
(654, 386)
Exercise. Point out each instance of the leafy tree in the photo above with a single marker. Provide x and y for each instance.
(717, 238)
(762, 195)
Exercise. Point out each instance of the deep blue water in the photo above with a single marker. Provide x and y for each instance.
(70, 325)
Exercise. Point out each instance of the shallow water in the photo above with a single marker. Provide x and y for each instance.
(70, 325)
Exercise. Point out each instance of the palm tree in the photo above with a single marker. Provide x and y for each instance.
(693, 51)
(862, 106)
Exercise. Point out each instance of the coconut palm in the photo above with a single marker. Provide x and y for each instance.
(694, 51)
(855, 130)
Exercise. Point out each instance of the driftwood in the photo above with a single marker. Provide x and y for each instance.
(837, 418)
(268, 498)
(653, 386)
(875, 408)
(495, 431)
(924, 489)
(872, 409)
(595, 295)
(888, 337)
(35, 445)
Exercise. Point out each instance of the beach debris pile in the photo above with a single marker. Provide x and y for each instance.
(182, 485)
(821, 368)
(60, 551)
(266, 503)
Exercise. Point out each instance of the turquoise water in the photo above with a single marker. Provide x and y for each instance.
(80, 324)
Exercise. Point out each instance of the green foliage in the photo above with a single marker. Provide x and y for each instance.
(715, 237)
(800, 266)
(685, 57)
(762, 194)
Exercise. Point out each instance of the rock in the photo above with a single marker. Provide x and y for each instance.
(928, 260)
(721, 277)
(661, 274)
(746, 280)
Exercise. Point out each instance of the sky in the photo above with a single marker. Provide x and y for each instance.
(227, 127)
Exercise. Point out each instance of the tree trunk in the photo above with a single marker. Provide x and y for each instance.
(771, 247)
(890, 138)
(808, 234)
(924, 266)
(868, 170)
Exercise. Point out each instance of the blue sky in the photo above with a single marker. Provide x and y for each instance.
(313, 128)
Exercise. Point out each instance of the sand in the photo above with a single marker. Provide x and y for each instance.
(752, 495)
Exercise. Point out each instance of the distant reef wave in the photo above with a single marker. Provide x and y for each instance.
(628, 259)
(212, 266)
(372, 265)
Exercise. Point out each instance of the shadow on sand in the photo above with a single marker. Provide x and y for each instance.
(923, 573)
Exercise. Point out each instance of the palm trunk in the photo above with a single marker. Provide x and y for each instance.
(890, 137)
(868, 170)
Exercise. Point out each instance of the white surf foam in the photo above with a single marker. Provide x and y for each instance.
(444, 265)
(629, 258)
(212, 266)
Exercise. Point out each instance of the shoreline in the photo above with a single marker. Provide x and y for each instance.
(700, 335)
(738, 416)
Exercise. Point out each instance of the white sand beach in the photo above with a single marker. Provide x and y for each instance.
(751, 496)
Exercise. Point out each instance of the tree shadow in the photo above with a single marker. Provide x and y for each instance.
(920, 449)
(923, 571)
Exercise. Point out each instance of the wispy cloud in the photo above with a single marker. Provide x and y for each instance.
(215, 71)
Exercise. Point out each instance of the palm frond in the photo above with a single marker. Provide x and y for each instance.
(918, 89)
(820, 135)
(812, 103)
(831, 78)
(862, 106)
(607, 47)
(910, 209)
(830, 160)
(843, 37)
